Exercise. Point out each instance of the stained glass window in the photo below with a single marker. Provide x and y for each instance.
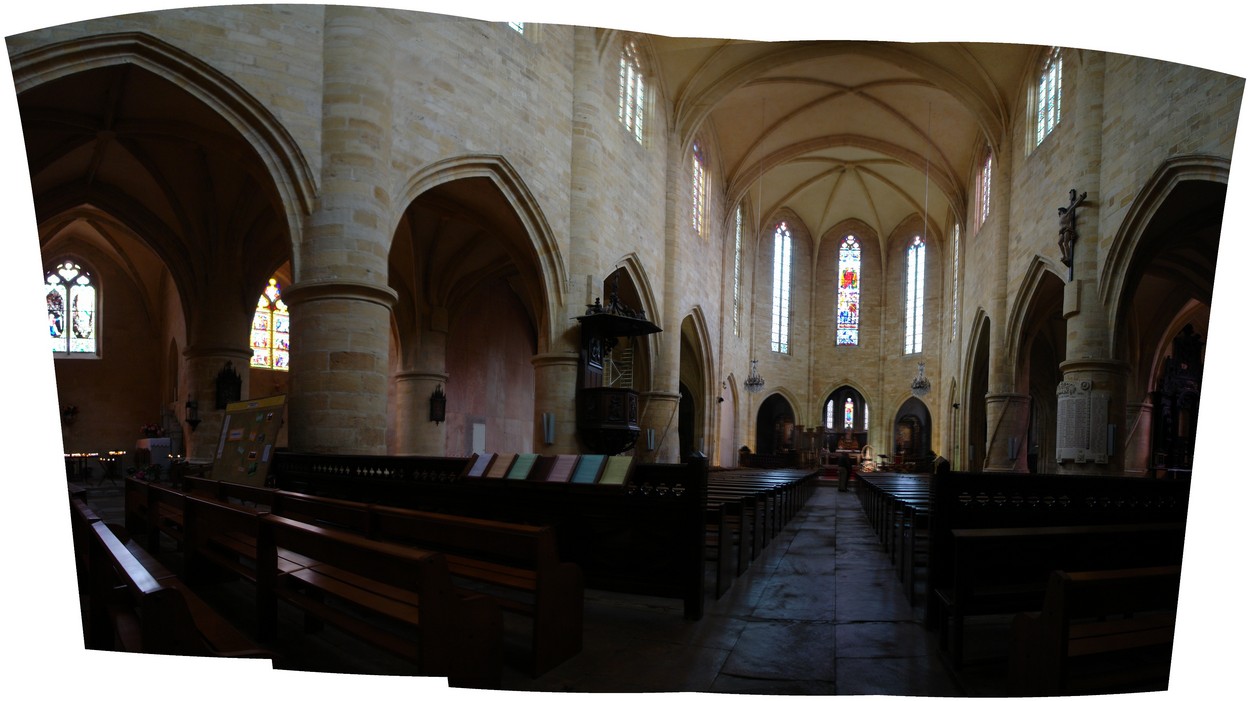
(1049, 94)
(698, 190)
(848, 414)
(72, 310)
(848, 292)
(781, 289)
(913, 330)
(633, 98)
(271, 331)
(829, 414)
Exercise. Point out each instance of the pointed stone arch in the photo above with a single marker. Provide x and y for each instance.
(284, 161)
(542, 255)
(1116, 274)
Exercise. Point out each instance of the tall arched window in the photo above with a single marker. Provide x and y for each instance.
(737, 308)
(983, 189)
(271, 331)
(913, 324)
(782, 246)
(698, 189)
(73, 306)
(633, 97)
(955, 283)
(848, 414)
(1049, 94)
(848, 292)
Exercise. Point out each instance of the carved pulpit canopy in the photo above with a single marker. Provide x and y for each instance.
(608, 417)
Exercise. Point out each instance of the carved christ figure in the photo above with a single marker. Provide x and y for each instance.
(1067, 227)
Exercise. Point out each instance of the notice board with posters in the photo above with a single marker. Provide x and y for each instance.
(248, 434)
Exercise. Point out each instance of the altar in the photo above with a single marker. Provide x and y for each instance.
(158, 448)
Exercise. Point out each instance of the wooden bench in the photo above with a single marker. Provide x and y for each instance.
(518, 565)
(1017, 515)
(644, 537)
(222, 537)
(1005, 570)
(136, 605)
(1103, 631)
(398, 598)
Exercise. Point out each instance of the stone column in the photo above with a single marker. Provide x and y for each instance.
(587, 208)
(339, 367)
(555, 394)
(340, 305)
(1089, 339)
(204, 363)
(1002, 413)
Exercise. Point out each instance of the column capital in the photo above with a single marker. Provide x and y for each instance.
(419, 376)
(318, 290)
(555, 358)
(1094, 365)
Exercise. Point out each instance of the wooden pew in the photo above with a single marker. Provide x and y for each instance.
(398, 598)
(518, 565)
(137, 606)
(222, 537)
(1005, 570)
(1104, 631)
(645, 537)
(1025, 526)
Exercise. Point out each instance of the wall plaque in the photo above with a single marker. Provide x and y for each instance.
(1082, 422)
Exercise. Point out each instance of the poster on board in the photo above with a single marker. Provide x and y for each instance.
(248, 434)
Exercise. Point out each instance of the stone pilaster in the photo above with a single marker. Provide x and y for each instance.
(659, 413)
(204, 363)
(1139, 420)
(414, 432)
(555, 394)
(1007, 415)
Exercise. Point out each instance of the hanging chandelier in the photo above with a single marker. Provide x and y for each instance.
(920, 385)
(754, 383)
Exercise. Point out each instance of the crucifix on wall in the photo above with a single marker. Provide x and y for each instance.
(1067, 229)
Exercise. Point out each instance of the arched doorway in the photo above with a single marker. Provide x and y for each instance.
(774, 426)
(912, 429)
(978, 387)
(685, 421)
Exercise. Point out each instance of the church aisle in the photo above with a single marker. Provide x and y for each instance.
(822, 613)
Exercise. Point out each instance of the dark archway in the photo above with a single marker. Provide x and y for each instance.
(774, 426)
(912, 432)
(978, 387)
(839, 435)
(685, 421)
